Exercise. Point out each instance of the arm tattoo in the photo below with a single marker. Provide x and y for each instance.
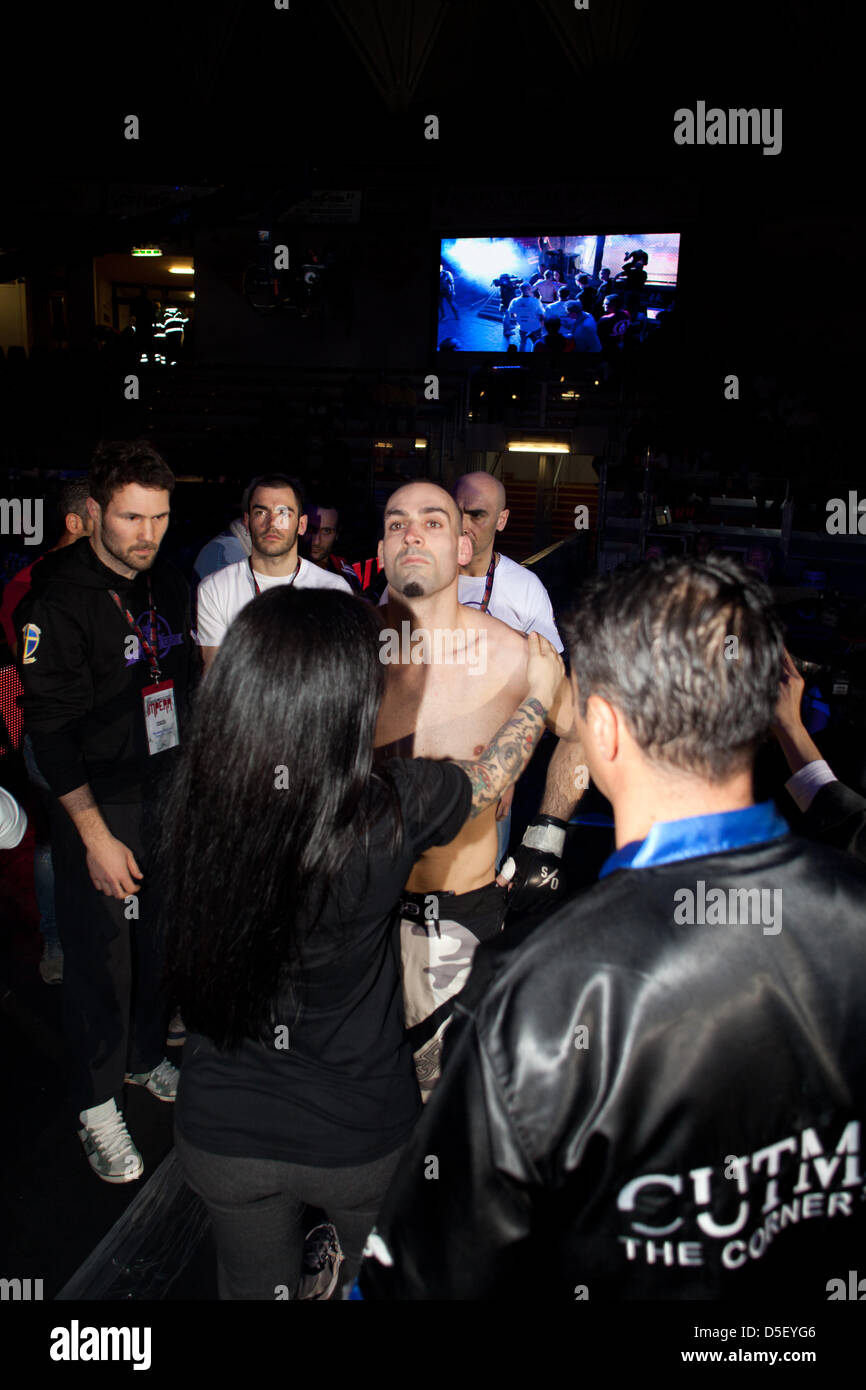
(505, 756)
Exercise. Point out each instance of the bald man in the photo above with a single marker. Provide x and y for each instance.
(515, 595)
(453, 675)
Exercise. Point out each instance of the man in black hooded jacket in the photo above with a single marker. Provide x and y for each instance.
(106, 658)
(660, 1092)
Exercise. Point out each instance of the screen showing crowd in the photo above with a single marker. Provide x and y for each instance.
(584, 294)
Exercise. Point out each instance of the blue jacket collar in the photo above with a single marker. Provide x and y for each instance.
(671, 840)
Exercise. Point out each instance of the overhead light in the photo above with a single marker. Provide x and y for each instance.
(191, 294)
(146, 251)
(537, 446)
(181, 270)
(382, 444)
(420, 443)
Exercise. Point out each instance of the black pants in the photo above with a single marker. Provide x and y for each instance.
(257, 1206)
(113, 1013)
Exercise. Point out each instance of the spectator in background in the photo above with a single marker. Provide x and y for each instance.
(633, 276)
(613, 324)
(630, 281)
(586, 294)
(320, 537)
(276, 520)
(516, 595)
(554, 339)
(582, 329)
(835, 814)
(559, 310)
(446, 292)
(76, 522)
(227, 548)
(603, 288)
(526, 313)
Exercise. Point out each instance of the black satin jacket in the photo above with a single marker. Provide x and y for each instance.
(659, 1093)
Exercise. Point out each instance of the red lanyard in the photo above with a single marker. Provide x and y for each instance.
(488, 583)
(256, 582)
(149, 648)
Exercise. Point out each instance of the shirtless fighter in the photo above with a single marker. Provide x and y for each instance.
(447, 691)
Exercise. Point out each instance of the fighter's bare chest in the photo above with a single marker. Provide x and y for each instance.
(444, 712)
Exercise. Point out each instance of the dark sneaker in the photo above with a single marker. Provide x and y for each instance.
(51, 965)
(321, 1266)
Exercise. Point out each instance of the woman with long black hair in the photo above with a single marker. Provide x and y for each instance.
(283, 854)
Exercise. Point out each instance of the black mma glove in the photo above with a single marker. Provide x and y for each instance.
(534, 873)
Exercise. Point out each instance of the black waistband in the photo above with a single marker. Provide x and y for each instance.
(481, 909)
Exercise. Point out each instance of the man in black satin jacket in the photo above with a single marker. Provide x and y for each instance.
(660, 1092)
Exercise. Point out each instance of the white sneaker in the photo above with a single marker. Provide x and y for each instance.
(161, 1082)
(110, 1150)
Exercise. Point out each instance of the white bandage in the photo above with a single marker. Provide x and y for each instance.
(550, 839)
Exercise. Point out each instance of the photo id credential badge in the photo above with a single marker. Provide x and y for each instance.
(160, 717)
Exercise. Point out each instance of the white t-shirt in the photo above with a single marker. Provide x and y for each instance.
(517, 598)
(222, 595)
(559, 310)
(13, 821)
(527, 311)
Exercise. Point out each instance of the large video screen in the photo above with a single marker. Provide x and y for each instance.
(500, 294)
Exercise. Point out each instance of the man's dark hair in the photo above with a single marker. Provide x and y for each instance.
(275, 480)
(565, 293)
(119, 462)
(73, 498)
(656, 642)
(613, 299)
